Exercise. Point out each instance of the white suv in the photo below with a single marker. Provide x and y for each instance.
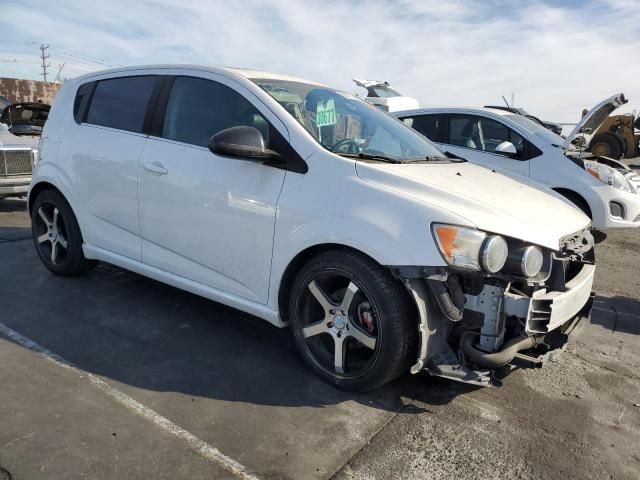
(306, 206)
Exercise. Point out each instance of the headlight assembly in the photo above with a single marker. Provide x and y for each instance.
(609, 176)
(474, 250)
(470, 249)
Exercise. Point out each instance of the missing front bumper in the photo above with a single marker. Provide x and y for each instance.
(549, 318)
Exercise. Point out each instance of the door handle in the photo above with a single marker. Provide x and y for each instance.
(155, 167)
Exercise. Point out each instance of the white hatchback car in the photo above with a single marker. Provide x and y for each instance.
(606, 190)
(306, 206)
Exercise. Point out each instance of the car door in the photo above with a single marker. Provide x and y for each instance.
(203, 216)
(475, 138)
(107, 132)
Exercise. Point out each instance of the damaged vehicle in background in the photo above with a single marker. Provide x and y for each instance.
(25, 119)
(308, 207)
(384, 97)
(604, 189)
(606, 135)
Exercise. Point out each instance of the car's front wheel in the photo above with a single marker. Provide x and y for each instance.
(56, 235)
(351, 320)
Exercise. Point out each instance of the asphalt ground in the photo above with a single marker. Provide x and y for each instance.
(113, 375)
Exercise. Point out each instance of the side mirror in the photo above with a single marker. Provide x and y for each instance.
(241, 142)
(506, 148)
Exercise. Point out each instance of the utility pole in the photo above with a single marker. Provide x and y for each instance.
(44, 57)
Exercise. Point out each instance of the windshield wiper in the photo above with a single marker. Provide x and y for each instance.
(447, 157)
(453, 156)
(369, 156)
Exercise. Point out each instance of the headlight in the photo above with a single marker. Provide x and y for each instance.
(532, 260)
(493, 253)
(609, 176)
(470, 249)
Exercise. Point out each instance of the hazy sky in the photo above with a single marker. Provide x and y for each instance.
(556, 56)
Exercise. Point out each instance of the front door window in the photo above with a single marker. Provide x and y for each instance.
(480, 133)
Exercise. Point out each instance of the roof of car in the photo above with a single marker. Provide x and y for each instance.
(495, 111)
(244, 72)
(255, 74)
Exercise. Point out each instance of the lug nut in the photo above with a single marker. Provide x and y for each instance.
(330, 325)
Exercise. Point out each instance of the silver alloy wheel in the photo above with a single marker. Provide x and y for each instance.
(338, 321)
(54, 235)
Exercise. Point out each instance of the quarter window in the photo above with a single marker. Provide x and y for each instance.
(481, 133)
(198, 109)
(121, 102)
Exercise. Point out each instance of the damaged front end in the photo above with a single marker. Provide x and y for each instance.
(473, 323)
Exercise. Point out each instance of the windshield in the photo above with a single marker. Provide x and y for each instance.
(382, 92)
(348, 126)
(537, 129)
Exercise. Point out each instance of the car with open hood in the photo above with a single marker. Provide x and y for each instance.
(308, 207)
(381, 95)
(26, 118)
(605, 190)
(605, 135)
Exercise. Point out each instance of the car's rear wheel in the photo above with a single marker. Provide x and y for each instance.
(56, 235)
(351, 320)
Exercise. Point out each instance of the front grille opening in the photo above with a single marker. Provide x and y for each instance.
(16, 162)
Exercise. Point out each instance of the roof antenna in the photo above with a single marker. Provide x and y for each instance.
(505, 101)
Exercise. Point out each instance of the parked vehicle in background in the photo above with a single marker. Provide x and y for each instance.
(17, 157)
(25, 118)
(4, 103)
(307, 206)
(383, 96)
(606, 135)
(520, 147)
(554, 127)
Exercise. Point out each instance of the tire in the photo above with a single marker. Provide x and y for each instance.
(61, 229)
(606, 145)
(342, 298)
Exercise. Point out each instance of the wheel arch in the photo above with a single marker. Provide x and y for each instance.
(577, 199)
(294, 266)
(44, 185)
(40, 187)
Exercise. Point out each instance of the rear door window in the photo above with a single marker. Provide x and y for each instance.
(428, 125)
(121, 102)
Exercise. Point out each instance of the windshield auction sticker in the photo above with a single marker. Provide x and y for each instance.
(326, 113)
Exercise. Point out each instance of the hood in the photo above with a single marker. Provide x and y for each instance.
(588, 125)
(491, 201)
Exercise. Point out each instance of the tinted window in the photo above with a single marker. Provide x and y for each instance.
(427, 125)
(121, 102)
(481, 133)
(82, 97)
(199, 108)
